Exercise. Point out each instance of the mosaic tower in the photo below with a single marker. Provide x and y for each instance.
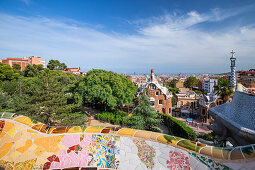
(233, 70)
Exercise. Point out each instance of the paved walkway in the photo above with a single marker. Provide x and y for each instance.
(200, 129)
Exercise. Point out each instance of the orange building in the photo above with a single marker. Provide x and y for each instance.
(159, 96)
(24, 61)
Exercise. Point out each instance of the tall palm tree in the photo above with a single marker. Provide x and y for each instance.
(224, 89)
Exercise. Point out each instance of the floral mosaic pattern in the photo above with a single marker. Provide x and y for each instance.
(178, 161)
(145, 152)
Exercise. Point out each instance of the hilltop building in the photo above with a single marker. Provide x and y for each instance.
(159, 96)
(76, 71)
(24, 61)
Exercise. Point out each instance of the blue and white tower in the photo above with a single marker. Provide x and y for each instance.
(233, 70)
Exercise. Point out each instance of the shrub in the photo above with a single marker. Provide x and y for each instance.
(178, 128)
(209, 136)
(115, 117)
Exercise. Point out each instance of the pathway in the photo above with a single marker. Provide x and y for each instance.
(201, 129)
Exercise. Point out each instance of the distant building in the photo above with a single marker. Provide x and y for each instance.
(247, 79)
(76, 71)
(178, 84)
(208, 86)
(24, 61)
(159, 96)
(187, 100)
(200, 85)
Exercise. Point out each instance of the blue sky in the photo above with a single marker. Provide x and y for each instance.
(132, 35)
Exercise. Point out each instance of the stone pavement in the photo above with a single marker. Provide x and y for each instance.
(201, 129)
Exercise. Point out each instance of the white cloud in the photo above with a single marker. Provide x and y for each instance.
(169, 43)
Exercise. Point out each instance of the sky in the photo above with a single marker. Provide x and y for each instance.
(127, 36)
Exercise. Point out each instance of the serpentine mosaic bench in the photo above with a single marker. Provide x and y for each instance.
(27, 144)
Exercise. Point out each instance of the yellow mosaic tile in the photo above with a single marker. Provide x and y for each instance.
(39, 151)
(5, 149)
(20, 119)
(7, 164)
(154, 135)
(162, 139)
(24, 148)
(124, 131)
(75, 129)
(43, 142)
(25, 165)
(18, 136)
(31, 131)
(206, 150)
(2, 134)
(54, 140)
(217, 153)
(143, 134)
(6, 139)
(92, 129)
(12, 132)
(61, 146)
(8, 126)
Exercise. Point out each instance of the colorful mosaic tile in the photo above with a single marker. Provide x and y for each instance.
(145, 152)
(28, 144)
(209, 162)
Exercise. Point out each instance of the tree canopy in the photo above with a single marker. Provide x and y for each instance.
(144, 115)
(7, 73)
(42, 95)
(56, 65)
(105, 89)
(191, 82)
(224, 89)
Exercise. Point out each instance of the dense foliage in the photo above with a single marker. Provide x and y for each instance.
(144, 116)
(224, 89)
(209, 136)
(170, 84)
(40, 94)
(104, 89)
(7, 73)
(115, 117)
(174, 90)
(56, 65)
(178, 128)
(191, 82)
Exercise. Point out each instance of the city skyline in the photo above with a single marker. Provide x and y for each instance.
(127, 37)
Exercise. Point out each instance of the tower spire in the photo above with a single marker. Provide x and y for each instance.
(233, 69)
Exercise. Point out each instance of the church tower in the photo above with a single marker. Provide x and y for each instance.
(233, 70)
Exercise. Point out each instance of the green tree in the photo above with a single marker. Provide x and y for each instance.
(6, 102)
(33, 71)
(43, 98)
(30, 71)
(7, 73)
(16, 68)
(174, 90)
(171, 83)
(56, 65)
(105, 89)
(224, 89)
(144, 115)
(191, 82)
